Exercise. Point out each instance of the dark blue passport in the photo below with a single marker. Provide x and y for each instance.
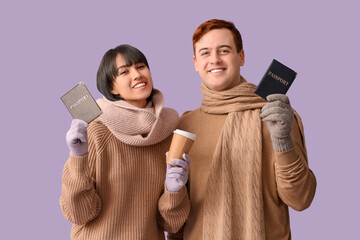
(277, 79)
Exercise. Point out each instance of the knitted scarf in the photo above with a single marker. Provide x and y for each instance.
(233, 207)
(138, 126)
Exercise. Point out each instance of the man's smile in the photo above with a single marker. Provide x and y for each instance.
(216, 70)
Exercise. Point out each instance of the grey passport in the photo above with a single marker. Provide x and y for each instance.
(81, 103)
(277, 79)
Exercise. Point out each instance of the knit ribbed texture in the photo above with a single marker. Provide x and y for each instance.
(116, 191)
(234, 193)
(174, 208)
(286, 177)
(234, 188)
(119, 188)
(236, 99)
(138, 126)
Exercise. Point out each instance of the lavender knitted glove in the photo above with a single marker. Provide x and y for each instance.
(279, 116)
(76, 137)
(176, 177)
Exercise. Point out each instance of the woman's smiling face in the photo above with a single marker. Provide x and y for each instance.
(133, 83)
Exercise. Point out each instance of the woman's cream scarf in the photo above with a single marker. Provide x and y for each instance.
(233, 207)
(139, 126)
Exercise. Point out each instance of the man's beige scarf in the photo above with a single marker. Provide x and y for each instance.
(233, 207)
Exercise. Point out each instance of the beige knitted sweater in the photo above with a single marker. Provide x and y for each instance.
(116, 191)
(286, 177)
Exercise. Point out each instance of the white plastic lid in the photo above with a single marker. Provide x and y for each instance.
(185, 134)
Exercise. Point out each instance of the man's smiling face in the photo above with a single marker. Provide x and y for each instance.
(217, 61)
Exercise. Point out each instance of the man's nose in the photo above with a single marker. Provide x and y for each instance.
(215, 58)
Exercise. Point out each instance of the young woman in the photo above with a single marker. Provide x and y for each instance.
(113, 182)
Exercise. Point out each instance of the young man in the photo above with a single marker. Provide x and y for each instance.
(249, 161)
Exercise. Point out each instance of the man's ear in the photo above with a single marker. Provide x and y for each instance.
(242, 57)
(195, 64)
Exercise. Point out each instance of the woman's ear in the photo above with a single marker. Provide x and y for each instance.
(113, 89)
(114, 92)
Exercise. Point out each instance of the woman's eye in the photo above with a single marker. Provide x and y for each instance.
(141, 66)
(122, 72)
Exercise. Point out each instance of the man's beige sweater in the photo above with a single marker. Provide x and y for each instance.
(116, 191)
(286, 177)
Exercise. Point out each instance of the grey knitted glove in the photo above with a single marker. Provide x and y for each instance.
(176, 177)
(279, 115)
(76, 137)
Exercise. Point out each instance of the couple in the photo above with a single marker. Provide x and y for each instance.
(248, 163)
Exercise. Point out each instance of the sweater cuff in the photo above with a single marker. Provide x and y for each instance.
(286, 157)
(174, 198)
(79, 163)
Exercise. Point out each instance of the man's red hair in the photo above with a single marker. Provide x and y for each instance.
(217, 24)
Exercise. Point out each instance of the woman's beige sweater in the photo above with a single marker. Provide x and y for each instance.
(117, 191)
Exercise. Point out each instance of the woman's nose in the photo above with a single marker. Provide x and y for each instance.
(136, 74)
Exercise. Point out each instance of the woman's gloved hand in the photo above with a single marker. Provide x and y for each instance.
(76, 138)
(177, 176)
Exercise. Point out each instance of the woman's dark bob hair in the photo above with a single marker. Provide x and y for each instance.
(107, 71)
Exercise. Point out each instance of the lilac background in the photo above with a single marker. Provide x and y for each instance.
(47, 47)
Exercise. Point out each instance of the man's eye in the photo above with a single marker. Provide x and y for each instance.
(204, 53)
(224, 51)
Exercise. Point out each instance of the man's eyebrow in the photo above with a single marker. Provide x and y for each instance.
(202, 49)
(221, 46)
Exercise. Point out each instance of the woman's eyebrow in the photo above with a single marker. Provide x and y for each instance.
(122, 66)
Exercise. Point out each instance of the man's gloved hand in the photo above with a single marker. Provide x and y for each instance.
(176, 177)
(76, 137)
(279, 116)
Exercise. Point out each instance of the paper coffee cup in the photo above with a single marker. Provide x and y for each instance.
(181, 143)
